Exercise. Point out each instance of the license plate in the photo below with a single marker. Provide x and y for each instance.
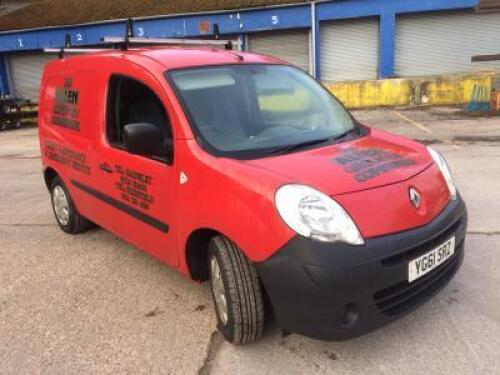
(429, 261)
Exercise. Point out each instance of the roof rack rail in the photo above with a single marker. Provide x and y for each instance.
(68, 48)
(109, 43)
(65, 50)
(128, 41)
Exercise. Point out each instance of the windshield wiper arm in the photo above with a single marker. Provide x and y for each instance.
(344, 134)
(298, 146)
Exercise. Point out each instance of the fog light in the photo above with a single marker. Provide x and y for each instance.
(349, 315)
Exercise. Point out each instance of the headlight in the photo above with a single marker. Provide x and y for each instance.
(445, 170)
(315, 215)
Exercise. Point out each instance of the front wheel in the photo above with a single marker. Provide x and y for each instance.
(236, 292)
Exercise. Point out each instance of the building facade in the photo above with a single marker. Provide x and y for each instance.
(390, 47)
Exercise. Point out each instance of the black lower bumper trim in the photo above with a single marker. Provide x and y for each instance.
(337, 291)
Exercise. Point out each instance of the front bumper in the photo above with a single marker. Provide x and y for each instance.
(338, 291)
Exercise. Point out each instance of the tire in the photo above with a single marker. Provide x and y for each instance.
(17, 124)
(242, 321)
(3, 126)
(67, 216)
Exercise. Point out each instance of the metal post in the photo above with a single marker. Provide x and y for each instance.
(314, 47)
(387, 44)
(4, 77)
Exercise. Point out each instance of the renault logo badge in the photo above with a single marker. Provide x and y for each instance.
(415, 198)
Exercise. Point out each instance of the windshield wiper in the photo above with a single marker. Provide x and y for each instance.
(299, 146)
(345, 134)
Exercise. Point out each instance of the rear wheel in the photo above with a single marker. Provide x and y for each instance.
(67, 216)
(236, 292)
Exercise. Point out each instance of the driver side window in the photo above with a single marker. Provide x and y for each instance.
(132, 102)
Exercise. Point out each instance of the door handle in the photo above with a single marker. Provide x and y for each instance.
(106, 168)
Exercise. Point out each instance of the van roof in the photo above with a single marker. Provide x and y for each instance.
(180, 57)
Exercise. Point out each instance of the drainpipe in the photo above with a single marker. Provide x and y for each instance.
(314, 47)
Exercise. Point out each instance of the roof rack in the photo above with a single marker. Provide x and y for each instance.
(124, 43)
(109, 43)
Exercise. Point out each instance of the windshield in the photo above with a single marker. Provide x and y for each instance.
(248, 111)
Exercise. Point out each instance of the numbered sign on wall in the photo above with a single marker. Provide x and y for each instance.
(78, 37)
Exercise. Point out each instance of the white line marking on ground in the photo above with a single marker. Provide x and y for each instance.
(425, 129)
(413, 122)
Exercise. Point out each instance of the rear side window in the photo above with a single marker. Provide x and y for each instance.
(130, 102)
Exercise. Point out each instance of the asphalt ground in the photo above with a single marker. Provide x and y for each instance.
(94, 304)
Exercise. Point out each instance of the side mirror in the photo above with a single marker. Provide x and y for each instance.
(144, 139)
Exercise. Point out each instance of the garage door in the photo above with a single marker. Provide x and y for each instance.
(444, 43)
(26, 73)
(292, 46)
(350, 50)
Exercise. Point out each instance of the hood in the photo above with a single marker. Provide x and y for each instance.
(374, 160)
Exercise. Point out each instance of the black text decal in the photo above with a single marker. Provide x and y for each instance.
(66, 156)
(65, 112)
(134, 187)
(365, 164)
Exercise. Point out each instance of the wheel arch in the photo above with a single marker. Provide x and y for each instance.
(196, 251)
(48, 175)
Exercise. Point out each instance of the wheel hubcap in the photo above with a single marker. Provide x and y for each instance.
(61, 207)
(218, 290)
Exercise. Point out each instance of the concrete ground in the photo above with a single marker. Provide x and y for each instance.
(93, 304)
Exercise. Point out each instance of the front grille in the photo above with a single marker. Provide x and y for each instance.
(404, 296)
(415, 252)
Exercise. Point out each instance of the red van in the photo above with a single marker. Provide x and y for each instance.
(243, 170)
